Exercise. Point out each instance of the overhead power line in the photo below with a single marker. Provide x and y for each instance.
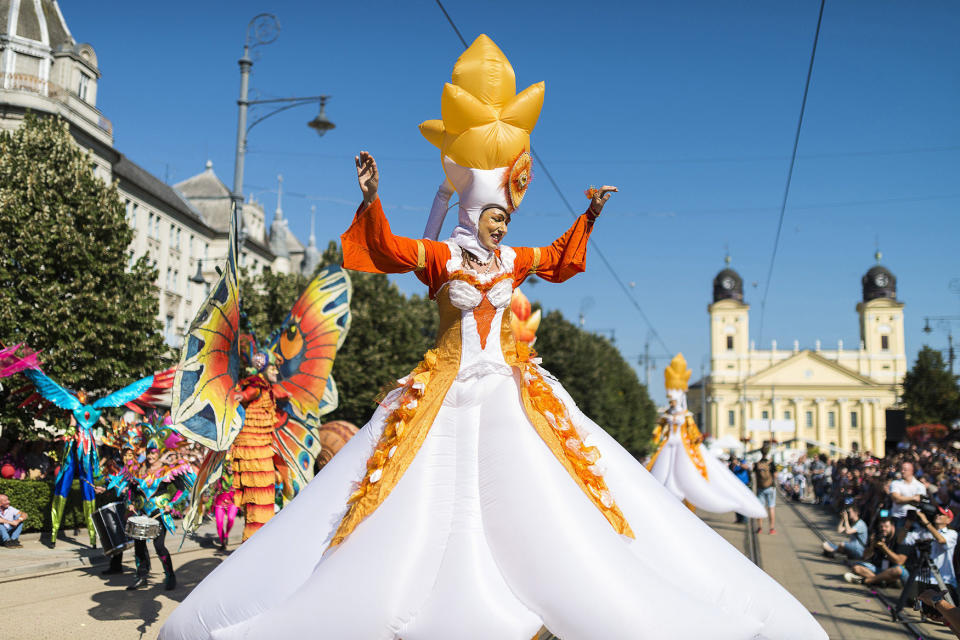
(793, 161)
(593, 243)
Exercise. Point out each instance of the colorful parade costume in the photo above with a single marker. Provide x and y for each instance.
(254, 482)
(684, 466)
(268, 427)
(154, 493)
(80, 448)
(475, 503)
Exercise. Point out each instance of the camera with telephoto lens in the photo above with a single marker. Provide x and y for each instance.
(928, 506)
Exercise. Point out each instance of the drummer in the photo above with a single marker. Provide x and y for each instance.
(128, 438)
(157, 485)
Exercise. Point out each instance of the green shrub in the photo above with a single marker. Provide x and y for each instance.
(34, 498)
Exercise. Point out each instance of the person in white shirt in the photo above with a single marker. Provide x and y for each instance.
(11, 523)
(944, 542)
(905, 494)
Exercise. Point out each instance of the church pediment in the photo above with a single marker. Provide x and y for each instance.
(807, 368)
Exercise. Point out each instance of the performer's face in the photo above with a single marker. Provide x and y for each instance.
(492, 227)
(127, 456)
(152, 455)
(271, 373)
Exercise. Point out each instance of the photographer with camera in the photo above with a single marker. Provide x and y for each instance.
(884, 560)
(942, 539)
(852, 526)
(934, 544)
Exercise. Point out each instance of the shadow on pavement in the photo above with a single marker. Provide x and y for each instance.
(116, 603)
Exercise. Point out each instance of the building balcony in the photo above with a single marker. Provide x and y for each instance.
(35, 93)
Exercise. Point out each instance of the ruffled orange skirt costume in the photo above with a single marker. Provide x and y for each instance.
(254, 478)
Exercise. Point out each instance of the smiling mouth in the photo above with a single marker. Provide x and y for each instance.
(496, 237)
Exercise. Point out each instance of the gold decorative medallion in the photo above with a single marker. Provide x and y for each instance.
(518, 179)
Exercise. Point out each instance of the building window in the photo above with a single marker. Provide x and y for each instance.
(853, 419)
(885, 343)
(831, 419)
(169, 334)
(83, 87)
(786, 415)
(731, 418)
(729, 343)
(809, 419)
(766, 415)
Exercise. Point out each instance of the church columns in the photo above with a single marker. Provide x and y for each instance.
(798, 424)
(843, 437)
(820, 420)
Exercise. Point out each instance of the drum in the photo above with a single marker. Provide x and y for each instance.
(142, 528)
(108, 522)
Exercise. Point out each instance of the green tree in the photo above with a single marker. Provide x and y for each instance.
(267, 298)
(599, 380)
(65, 285)
(930, 392)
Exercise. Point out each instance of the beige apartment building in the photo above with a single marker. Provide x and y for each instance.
(183, 227)
(830, 397)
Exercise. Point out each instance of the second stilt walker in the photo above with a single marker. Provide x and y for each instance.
(684, 466)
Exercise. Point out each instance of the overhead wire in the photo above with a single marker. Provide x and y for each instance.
(793, 162)
(592, 242)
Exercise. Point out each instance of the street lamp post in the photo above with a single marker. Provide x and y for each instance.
(944, 323)
(263, 29)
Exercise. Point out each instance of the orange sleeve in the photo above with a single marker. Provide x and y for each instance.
(369, 245)
(559, 261)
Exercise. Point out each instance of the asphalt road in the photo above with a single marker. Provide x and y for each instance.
(81, 604)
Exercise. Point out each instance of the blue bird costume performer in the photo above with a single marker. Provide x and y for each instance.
(154, 488)
(80, 447)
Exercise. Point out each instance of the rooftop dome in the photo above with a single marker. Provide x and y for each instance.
(879, 282)
(728, 285)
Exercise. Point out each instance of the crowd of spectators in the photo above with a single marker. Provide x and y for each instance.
(893, 513)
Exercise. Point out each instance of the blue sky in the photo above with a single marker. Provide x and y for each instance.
(689, 107)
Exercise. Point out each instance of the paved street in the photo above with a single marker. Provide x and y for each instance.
(59, 592)
(81, 604)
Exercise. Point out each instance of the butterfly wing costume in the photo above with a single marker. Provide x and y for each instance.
(216, 405)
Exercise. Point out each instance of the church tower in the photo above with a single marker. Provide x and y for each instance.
(881, 325)
(729, 325)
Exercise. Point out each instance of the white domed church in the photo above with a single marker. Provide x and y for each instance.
(834, 398)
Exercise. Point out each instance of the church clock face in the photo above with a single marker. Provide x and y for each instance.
(881, 280)
(727, 283)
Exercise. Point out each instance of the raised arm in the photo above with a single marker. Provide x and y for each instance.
(369, 244)
(567, 255)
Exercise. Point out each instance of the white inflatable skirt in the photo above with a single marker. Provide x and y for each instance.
(487, 537)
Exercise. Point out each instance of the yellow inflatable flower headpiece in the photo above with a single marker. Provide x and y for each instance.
(676, 376)
(484, 136)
